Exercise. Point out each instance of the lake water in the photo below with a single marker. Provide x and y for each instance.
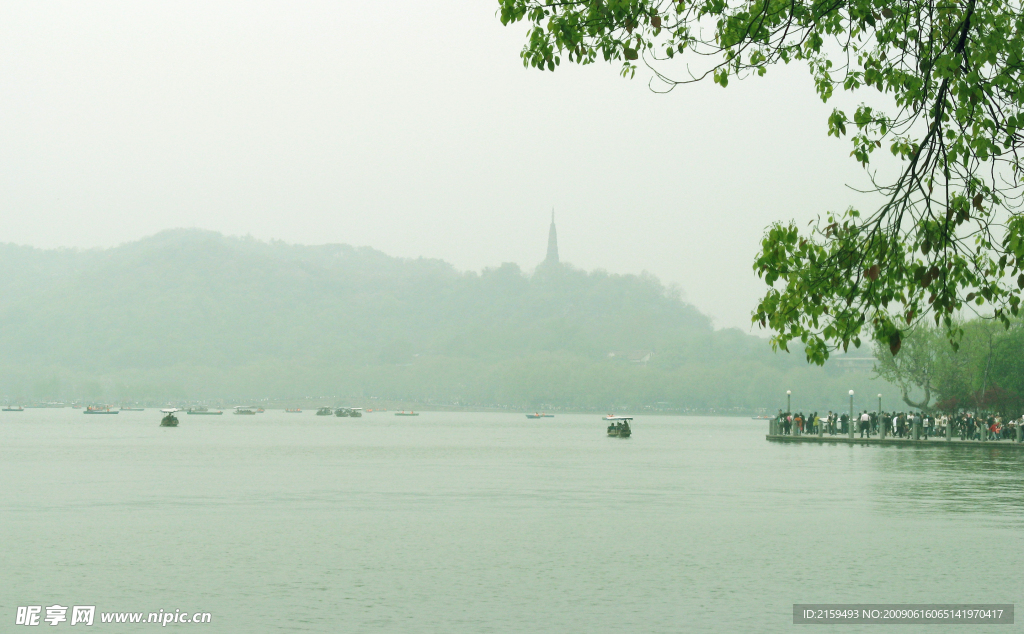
(461, 522)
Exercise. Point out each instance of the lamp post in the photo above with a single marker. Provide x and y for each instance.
(881, 419)
(849, 427)
(788, 409)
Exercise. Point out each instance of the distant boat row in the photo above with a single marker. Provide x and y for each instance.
(19, 408)
(170, 420)
(244, 410)
(92, 409)
(618, 425)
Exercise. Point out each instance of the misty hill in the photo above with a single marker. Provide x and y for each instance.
(193, 314)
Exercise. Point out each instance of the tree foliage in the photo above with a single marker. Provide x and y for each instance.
(985, 372)
(947, 234)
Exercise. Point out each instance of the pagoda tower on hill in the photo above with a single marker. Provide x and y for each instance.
(552, 257)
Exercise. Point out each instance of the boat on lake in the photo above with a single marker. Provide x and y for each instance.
(170, 420)
(131, 409)
(618, 426)
(409, 413)
(324, 411)
(539, 415)
(293, 411)
(202, 411)
(245, 410)
(15, 408)
(96, 409)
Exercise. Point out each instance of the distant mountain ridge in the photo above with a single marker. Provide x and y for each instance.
(194, 314)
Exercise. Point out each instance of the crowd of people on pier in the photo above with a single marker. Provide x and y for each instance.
(966, 425)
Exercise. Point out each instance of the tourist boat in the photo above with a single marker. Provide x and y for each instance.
(202, 411)
(341, 412)
(293, 411)
(324, 411)
(619, 426)
(170, 420)
(16, 408)
(132, 409)
(409, 413)
(539, 415)
(260, 410)
(245, 410)
(355, 412)
(100, 410)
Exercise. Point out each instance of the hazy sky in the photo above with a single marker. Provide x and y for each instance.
(411, 127)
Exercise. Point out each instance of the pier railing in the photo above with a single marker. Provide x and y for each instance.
(883, 436)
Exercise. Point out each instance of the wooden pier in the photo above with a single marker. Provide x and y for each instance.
(946, 437)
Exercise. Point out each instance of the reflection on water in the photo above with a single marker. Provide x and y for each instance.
(980, 479)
